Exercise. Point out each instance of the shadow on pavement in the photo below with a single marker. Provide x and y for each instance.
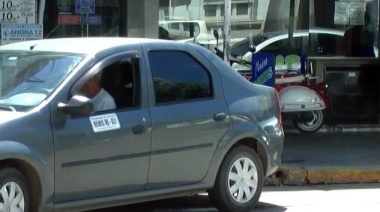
(198, 203)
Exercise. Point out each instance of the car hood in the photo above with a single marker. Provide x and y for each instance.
(6, 116)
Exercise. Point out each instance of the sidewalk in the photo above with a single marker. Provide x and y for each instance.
(329, 158)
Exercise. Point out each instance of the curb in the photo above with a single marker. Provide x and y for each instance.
(338, 129)
(295, 175)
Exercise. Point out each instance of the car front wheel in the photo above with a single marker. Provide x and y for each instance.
(239, 181)
(14, 194)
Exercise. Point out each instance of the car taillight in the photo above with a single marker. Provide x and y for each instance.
(277, 96)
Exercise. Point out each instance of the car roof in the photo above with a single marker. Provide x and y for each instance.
(264, 36)
(263, 39)
(86, 45)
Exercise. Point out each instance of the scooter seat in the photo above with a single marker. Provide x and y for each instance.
(289, 78)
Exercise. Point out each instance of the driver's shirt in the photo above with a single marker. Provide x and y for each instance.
(104, 101)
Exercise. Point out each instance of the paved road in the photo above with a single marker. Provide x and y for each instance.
(339, 149)
(326, 198)
(332, 149)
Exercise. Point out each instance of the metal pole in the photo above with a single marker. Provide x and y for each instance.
(227, 30)
(87, 24)
(41, 11)
(291, 24)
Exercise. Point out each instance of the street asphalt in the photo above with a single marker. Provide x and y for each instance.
(329, 158)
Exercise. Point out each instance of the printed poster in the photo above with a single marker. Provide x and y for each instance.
(349, 13)
(357, 13)
(341, 15)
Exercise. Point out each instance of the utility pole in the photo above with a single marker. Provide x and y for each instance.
(227, 30)
(41, 10)
(291, 25)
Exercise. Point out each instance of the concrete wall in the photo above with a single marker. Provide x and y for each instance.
(277, 17)
(142, 18)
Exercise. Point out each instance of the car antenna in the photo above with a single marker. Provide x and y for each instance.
(32, 47)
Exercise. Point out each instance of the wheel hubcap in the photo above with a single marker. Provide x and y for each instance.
(242, 180)
(11, 198)
(313, 124)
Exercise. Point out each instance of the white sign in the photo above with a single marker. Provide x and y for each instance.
(105, 122)
(349, 13)
(357, 10)
(18, 12)
(342, 11)
(12, 33)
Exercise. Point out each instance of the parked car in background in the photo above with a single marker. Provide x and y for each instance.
(191, 31)
(313, 42)
(186, 30)
(184, 123)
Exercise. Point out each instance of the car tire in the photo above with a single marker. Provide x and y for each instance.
(230, 190)
(14, 192)
(312, 126)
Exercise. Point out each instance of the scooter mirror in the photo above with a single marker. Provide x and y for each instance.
(216, 34)
(252, 48)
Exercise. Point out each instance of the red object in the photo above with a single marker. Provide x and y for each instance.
(69, 19)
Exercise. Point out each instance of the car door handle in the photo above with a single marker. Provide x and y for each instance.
(139, 129)
(220, 116)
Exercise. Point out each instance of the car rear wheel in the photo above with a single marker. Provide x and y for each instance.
(14, 194)
(239, 181)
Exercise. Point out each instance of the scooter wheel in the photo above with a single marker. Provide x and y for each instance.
(311, 126)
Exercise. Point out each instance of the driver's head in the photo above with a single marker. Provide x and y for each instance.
(92, 87)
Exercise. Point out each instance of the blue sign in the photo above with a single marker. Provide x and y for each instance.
(263, 69)
(85, 6)
(92, 19)
(11, 33)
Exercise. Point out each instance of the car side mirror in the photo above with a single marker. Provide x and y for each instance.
(78, 105)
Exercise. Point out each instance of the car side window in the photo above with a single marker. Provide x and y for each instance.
(327, 45)
(115, 86)
(178, 77)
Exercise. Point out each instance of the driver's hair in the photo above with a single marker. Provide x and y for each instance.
(98, 76)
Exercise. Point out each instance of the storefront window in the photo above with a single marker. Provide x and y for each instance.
(209, 15)
(350, 28)
(327, 28)
(67, 18)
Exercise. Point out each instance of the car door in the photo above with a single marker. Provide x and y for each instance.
(106, 153)
(189, 117)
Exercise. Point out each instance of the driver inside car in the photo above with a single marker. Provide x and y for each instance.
(101, 98)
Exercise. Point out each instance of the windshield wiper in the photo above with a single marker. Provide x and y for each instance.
(7, 107)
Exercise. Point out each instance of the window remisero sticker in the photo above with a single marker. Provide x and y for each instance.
(105, 122)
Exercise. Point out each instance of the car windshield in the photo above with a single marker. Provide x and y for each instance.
(27, 78)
